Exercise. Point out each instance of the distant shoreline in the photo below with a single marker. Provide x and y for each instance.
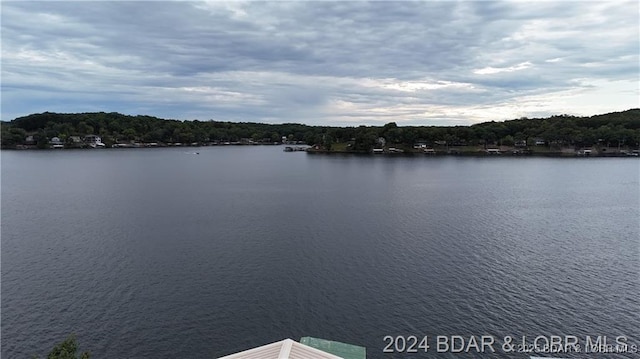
(504, 151)
(138, 146)
(488, 151)
(472, 154)
(614, 131)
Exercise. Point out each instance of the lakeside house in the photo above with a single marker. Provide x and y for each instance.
(56, 142)
(94, 141)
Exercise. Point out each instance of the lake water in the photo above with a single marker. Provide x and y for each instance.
(163, 253)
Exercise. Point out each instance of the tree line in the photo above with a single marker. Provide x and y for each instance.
(612, 129)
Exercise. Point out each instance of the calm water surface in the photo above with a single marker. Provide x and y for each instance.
(162, 253)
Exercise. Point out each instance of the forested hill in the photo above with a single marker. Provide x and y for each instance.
(612, 129)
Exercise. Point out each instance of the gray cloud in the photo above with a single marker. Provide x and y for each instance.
(346, 62)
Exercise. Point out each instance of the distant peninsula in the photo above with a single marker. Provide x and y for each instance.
(611, 134)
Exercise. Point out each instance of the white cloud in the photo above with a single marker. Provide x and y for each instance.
(321, 62)
(495, 70)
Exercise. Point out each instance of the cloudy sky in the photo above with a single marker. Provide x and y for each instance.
(321, 62)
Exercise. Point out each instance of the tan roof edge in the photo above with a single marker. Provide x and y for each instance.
(285, 349)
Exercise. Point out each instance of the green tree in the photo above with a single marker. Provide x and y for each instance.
(68, 349)
(42, 141)
(84, 129)
(311, 138)
(393, 135)
(327, 141)
(365, 138)
(257, 136)
(11, 136)
(129, 133)
(507, 140)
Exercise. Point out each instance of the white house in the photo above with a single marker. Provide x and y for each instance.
(55, 141)
(94, 141)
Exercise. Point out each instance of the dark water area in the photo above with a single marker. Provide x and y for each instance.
(162, 253)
